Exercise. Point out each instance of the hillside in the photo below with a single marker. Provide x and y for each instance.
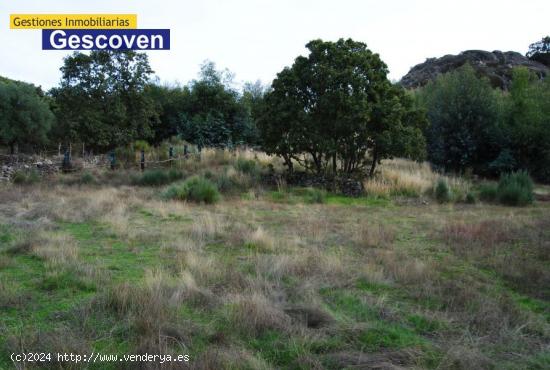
(496, 66)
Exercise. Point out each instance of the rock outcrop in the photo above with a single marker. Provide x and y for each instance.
(496, 66)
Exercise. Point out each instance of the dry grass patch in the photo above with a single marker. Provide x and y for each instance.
(408, 178)
(483, 236)
(57, 249)
(208, 227)
(260, 240)
(374, 236)
(254, 314)
(401, 268)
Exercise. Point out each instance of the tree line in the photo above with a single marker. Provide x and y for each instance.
(333, 112)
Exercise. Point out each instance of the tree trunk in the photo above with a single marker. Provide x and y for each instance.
(373, 165)
(334, 164)
(288, 163)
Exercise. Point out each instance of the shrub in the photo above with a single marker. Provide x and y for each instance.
(313, 195)
(228, 180)
(19, 177)
(196, 189)
(488, 192)
(442, 191)
(224, 183)
(125, 155)
(247, 166)
(515, 189)
(233, 183)
(140, 145)
(470, 198)
(26, 177)
(158, 177)
(87, 178)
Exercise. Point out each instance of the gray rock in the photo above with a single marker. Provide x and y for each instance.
(496, 66)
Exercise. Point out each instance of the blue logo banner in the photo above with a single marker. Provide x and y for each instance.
(106, 39)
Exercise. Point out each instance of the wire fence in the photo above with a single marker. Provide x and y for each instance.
(66, 163)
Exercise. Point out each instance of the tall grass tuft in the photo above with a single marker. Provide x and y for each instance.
(515, 189)
(402, 177)
(488, 192)
(26, 177)
(442, 191)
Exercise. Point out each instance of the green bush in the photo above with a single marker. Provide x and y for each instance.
(158, 177)
(87, 178)
(19, 177)
(488, 192)
(125, 155)
(313, 195)
(26, 177)
(234, 184)
(515, 189)
(195, 189)
(140, 145)
(470, 198)
(442, 191)
(247, 166)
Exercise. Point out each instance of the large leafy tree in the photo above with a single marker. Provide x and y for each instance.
(25, 115)
(101, 100)
(540, 51)
(464, 130)
(335, 106)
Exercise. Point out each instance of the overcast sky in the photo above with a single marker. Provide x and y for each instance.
(255, 39)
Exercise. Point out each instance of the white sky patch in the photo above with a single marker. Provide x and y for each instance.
(255, 39)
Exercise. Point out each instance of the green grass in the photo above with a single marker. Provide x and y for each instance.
(370, 316)
(360, 201)
(388, 336)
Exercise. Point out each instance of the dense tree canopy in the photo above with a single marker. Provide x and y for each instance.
(336, 106)
(213, 114)
(464, 127)
(540, 51)
(25, 116)
(528, 124)
(473, 126)
(169, 102)
(101, 100)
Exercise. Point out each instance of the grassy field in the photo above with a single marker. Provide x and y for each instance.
(273, 278)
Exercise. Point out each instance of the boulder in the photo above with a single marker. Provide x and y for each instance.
(496, 66)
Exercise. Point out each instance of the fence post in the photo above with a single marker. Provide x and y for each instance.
(67, 160)
(142, 160)
(113, 160)
(171, 154)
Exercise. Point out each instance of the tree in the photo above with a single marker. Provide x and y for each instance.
(169, 102)
(464, 129)
(335, 106)
(213, 114)
(540, 51)
(528, 124)
(25, 116)
(101, 100)
(251, 100)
